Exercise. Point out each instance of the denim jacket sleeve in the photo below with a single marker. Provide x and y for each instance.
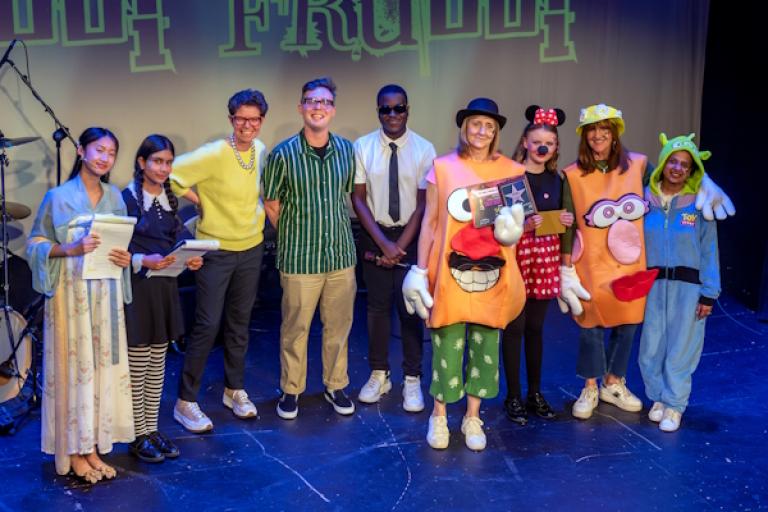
(709, 270)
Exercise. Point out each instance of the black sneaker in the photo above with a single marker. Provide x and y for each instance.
(288, 406)
(145, 449)
(165, 445)
(515, 410)
(536, 403)
(340, 402)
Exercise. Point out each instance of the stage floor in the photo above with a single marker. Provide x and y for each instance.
(378, 459)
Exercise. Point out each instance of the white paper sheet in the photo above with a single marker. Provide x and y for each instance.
(115, 232)
(184, 250)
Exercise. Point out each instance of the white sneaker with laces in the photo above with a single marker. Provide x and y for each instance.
(237, 400)
(191, 417)
(474, 437)
(671, 420)
(619, 395)
(586, 404)
(413, 399)
(378, 384)
(438, 434)
(656, 412)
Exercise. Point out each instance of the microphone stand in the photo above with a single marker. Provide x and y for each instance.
(61, 133)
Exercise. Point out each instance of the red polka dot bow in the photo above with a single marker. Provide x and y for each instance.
(545, 117)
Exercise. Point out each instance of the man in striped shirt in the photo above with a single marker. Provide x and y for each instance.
(307, 180)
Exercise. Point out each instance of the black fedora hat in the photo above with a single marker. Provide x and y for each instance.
(481, 107)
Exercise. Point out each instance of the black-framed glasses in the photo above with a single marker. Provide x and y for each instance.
(318, 102)
(386, 110)
(253, 121)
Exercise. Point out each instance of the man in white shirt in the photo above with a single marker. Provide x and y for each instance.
(389, 198)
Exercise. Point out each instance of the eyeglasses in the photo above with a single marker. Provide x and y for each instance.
(386, 110)
(317, 102)
(253, 121)
(674, 162)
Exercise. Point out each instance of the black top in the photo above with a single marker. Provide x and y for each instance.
(156, 230)
(547, 189)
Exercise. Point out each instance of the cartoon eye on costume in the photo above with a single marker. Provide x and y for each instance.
(458, 205)
(605, 212)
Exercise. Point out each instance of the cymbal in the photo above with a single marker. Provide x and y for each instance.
(17, 211)
(12, 143)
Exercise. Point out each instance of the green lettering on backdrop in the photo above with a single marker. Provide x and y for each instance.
(374, 27)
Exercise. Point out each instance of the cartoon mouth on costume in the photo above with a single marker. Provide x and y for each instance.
(475, 275)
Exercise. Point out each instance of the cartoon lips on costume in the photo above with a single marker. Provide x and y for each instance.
(624, 241)
(474, 264)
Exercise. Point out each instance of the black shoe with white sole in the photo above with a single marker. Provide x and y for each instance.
(340, 402)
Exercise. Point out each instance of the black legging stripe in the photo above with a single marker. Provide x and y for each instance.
(147, 365)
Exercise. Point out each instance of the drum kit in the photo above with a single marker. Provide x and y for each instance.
(17, 331)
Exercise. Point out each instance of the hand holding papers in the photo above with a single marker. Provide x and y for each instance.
(182, 252)
(114, 233)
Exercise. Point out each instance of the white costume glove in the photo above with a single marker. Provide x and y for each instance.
(508, 226)
(571, 291)
(711, 197)
(416, 293)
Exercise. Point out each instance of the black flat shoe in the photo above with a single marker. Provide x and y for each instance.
(515, 411)
(536, 403)
(165, 445)
(145, 449)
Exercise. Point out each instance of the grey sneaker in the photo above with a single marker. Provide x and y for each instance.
(191, 417)
(378, 384)
(237, 400)
(413, 399)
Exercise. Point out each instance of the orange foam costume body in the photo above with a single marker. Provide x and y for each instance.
(483, 293)
(609, 209)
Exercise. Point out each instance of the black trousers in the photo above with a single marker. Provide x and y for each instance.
(530, 325)
(227, 285)
(385, 285)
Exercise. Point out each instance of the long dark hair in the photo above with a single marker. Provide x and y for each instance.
(90, 135)
(153, 144)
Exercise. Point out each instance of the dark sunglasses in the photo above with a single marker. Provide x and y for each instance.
(385, 110)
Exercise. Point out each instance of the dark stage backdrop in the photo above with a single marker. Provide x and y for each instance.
(168, 66)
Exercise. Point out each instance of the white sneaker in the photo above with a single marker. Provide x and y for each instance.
(237, 400)
(413, 399)
(191, 417)
(378, 384)
(671, 420)
(586, 403)
(438, 434)
(474, 437)
(656, 412)
(619, 395)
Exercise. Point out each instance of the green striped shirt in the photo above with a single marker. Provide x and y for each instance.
(314, 233)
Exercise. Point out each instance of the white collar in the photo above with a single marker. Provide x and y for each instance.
(148, 199)
(385, 140)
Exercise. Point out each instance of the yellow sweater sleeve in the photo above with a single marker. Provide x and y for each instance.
(194, 167)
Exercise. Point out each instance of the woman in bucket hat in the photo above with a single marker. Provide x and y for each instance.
(466, 284)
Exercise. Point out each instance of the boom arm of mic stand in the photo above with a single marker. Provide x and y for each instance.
(46, 107)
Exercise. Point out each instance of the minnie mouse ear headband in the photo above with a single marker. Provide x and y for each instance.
(551, 116)
(596, 113)
(481, 107)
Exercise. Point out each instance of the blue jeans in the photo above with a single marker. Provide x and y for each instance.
(595, 360)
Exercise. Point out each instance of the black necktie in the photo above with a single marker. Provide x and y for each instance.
(394, 190)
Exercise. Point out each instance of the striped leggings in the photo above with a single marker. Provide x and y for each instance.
(147, 365)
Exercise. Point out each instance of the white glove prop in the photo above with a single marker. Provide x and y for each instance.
(711, 198)
(508, 226)
(416, 293)
(571, 291)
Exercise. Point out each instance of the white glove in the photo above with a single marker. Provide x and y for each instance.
(508, 226)
(571, 291)
(416, 293)
(711, 197)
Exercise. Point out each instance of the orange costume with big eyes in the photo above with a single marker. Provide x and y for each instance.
(609, 209)
(472, 278)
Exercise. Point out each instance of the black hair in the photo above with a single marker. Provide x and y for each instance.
(90, 135)
(150, 145)
(391, 89)
(250, 97)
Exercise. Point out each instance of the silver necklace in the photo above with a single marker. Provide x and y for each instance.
(250, 165)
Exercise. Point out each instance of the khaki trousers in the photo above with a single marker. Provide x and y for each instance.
(335, 291)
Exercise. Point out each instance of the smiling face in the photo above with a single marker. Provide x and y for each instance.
(393, 123)
(157, 167)
(246, 123)
(317, 109)
(537, 138)
(481, 131)
(677, 169)
(600, 139)
(98, 156)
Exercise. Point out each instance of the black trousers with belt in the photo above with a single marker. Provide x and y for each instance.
(385, 285)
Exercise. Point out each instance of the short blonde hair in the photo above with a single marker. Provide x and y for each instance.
(463, 147)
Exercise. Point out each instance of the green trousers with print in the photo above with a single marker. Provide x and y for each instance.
(448, 362)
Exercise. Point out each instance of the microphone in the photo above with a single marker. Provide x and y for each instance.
(8, 52)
